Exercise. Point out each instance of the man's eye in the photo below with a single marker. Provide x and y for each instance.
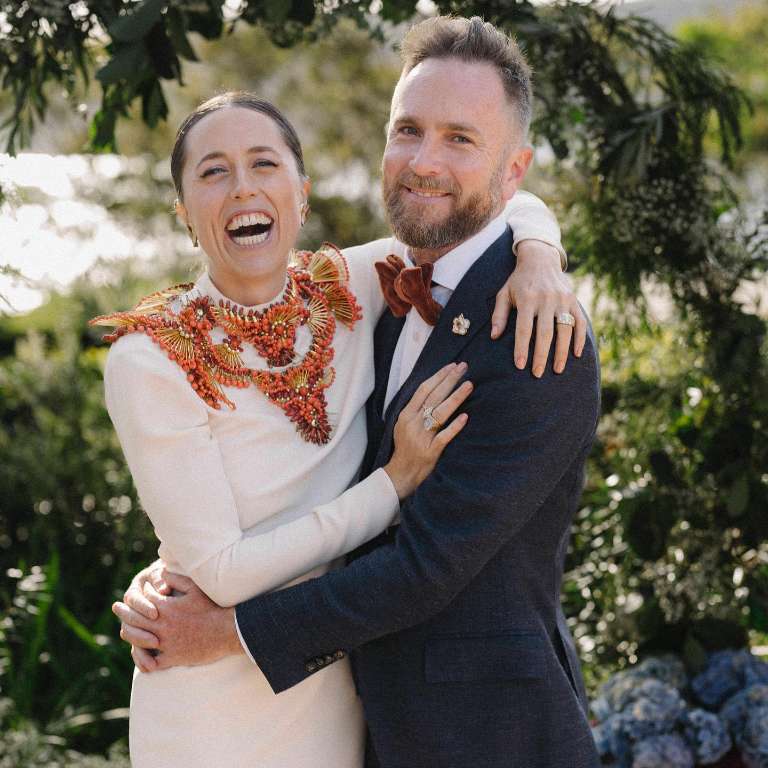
(212, 171)
(408, 130)
(459, 139)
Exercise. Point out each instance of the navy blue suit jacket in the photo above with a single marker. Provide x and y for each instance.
(460, 649)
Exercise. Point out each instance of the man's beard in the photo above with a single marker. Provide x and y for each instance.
(465, 220)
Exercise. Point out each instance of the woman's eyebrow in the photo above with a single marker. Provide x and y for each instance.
(217, 154)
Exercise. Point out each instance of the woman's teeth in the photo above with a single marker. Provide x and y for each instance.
(250, 239)
(249, 228)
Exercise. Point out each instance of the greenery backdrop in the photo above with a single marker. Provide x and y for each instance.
(670, 546)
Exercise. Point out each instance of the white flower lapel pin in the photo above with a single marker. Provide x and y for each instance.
(460, 325)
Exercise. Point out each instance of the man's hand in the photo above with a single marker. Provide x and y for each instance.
(181, 626)
(539, 289)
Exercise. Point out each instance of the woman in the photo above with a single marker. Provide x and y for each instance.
(247, 489)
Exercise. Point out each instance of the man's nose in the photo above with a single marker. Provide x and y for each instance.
(426, 160)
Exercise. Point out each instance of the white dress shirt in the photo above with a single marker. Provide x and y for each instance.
(448, 273)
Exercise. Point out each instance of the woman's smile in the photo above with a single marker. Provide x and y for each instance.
(249, 228)
(243, 198)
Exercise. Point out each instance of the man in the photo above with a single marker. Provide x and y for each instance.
(452, 619)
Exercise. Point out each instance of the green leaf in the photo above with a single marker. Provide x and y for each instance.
(101, 134)
(124, 65)
(80, 630)
(738, 496)
(649, 518)
(276, 11)
(154, 106)
(209, 23)
(177, 32)
(303, 11)
(694, 654)
(134, 26)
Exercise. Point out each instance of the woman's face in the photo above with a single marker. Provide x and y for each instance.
(242, 197)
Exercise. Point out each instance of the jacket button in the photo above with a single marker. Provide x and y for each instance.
(338, 655)
(310, 666)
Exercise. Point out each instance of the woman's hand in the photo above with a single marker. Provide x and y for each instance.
(417, 448)
(539, 289)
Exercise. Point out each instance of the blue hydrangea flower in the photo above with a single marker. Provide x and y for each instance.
(756, 672)
(668, 669)
(707, 735)
(629, 688)
(656, 711)
(601, 709)
(620, 690)
(735, 711)
(612, 742)
(754, 739)
(722, 677)
(666, 751)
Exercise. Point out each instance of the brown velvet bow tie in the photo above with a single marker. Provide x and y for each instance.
(405, 287)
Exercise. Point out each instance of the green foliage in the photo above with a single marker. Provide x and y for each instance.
(23, 746)
(740, 42)
(67, 502)
(670, 548)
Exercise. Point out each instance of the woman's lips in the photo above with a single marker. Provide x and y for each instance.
(249, 228)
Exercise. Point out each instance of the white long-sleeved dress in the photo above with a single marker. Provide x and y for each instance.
(242, 504)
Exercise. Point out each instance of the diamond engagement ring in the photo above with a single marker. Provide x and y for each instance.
(565, 318)
(430, 422)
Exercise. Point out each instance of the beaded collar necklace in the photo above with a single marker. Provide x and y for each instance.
(316, 296)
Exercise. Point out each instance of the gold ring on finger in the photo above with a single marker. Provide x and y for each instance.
(431, 423)
(565, 318)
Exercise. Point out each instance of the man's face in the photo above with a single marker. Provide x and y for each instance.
(453, 154)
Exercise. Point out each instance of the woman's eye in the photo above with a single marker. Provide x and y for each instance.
(265, 164)
(212, 171)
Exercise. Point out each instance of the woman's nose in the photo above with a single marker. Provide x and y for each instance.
(243, 185)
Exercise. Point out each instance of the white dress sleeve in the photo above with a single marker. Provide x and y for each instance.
(530, 219)
(179, 474)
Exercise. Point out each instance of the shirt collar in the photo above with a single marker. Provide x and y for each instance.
(451, 268)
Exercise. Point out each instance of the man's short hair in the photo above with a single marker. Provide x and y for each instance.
(473, 39)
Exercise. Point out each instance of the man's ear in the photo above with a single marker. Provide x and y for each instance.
(515, 168)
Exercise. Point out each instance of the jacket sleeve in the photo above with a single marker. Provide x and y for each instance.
(179, 474)
(518, 444)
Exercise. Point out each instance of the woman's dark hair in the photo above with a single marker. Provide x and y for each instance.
(242, 99)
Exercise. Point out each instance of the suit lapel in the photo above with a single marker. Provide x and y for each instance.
(472, 298)
(385, 340)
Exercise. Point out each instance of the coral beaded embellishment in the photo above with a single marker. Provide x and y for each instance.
(316, 296)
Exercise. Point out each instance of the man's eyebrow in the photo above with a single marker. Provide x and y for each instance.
(457, 127)
(251, 150)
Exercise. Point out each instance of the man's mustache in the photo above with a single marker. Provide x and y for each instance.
(427, 183)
